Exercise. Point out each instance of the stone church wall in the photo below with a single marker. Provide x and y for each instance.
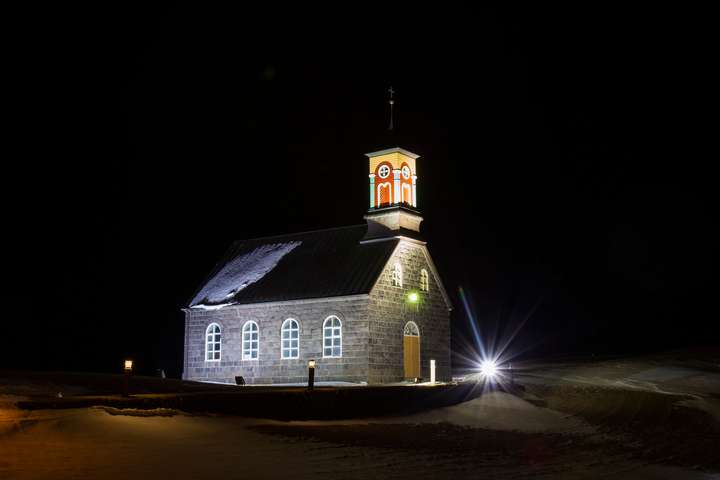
(269, 367)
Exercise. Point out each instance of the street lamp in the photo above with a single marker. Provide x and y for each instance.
(311, 374)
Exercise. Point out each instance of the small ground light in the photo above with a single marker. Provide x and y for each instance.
(488, 368)
(127, 368)
(311, 374)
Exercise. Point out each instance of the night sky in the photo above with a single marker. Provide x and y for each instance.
(561, 175)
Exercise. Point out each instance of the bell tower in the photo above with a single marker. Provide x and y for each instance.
(393, 190)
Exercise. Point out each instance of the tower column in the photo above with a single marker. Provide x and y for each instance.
(396, 188)
(372, 190)
(414, 193)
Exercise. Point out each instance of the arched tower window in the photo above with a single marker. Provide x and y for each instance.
(212, 343)
(290, 337)
(397, 279)
(424, 280)
(332, 337)
(384, 193)
(407, 194)
(250, 341)
(406, 185)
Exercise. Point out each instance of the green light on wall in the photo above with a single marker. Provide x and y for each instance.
(413, 297)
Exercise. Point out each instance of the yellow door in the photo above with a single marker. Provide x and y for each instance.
(411, 354)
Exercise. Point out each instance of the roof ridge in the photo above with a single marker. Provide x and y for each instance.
(235, 242)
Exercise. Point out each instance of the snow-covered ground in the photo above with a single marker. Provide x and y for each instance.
(600, 420)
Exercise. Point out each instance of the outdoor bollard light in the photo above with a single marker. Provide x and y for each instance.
(432, 371)
(126, 383)
(311, 374)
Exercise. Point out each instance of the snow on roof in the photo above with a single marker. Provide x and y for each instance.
(318, 264)
(240, 272)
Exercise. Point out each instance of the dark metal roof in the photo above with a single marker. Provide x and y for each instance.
(326, 263)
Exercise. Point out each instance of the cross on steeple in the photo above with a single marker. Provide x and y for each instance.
(392, 103)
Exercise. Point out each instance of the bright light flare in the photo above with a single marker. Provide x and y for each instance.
(489, 368)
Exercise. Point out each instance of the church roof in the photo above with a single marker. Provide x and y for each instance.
(319, 264)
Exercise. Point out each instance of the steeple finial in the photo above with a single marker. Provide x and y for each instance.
(392, 103)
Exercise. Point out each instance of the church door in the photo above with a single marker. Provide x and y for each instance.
(411, 350)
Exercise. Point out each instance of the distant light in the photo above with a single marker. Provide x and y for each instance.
(413, 297)
(128, 365)
(311, 363)
(488, 368)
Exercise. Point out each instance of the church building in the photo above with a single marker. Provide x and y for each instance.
(365, 301)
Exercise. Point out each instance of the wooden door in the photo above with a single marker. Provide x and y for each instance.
(411, 354)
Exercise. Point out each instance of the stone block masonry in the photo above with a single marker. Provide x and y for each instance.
(269, 367)
(389, 311)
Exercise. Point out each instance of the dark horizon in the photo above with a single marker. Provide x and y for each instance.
(561, 172)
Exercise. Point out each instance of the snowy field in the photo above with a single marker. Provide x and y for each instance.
(651, 418)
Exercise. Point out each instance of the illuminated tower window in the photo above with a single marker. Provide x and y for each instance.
(384, 197)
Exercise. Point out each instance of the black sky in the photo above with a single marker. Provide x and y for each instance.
(562, 171)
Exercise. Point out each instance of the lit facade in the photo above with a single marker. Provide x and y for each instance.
(365, 302)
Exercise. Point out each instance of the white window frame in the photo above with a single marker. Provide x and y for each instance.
(396, 276)
(424, 280)
(386, 169)
(215, 340)
(334, 337)
(406, 193)
(380, 186)
(405, 172)
(413, 326)
(247, 344)
(286, 327)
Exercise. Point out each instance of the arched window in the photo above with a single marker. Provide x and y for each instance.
(290, 339)
(250, 341)
(212, 343)
(406, 194)
(411, 330)
(384, 197)
(332, 337)
(397, 275)
(424, 280)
